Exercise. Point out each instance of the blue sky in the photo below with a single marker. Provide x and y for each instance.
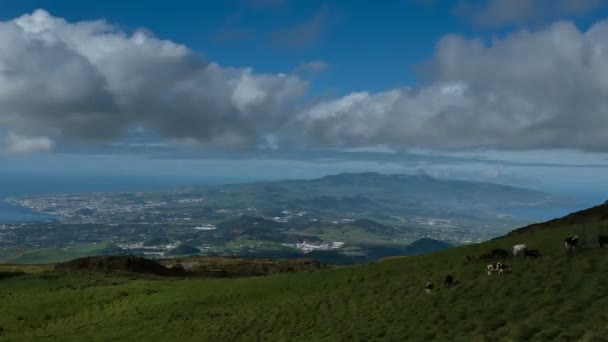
(510, 91)
(350, 36)
(347, 35)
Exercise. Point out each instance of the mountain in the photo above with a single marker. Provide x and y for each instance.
(426, 245)
(395, 194)
(561, 296)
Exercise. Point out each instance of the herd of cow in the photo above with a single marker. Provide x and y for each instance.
(570, 243)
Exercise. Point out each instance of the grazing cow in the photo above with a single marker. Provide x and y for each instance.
(494, 254)
(428, 287)
(532, 253)
(519, 250)
(493, 267)
(449, 281)
(602, 240)
(500, 253)
(490, 268)
(571, 242)
(498, 267)
(503, 268)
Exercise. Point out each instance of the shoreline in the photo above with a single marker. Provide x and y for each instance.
(14, 214)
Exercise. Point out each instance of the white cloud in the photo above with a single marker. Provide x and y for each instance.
(545, 90)
(17, 144)
(90, 81)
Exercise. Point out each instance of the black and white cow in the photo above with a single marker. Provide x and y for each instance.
(498, 267)
(602, 240)
(533, 253)
(504, 268)
(428, 287)
(490, 268)
(449, 281)
(571, 242)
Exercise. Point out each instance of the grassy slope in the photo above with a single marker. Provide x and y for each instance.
(556, 297)
(26, 255)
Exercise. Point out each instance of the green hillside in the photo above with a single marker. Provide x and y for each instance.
(29, 255)
(557, 297)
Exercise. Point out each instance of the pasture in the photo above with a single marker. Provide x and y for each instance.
(559, 296)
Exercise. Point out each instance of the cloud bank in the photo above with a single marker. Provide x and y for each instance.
(91, 82)
(545, 90)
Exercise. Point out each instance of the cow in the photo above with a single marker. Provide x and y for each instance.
(498, 267)
(449, 281)
(532, 253)
(493, 267)
(498, 253)
(428, 287)
(494, 254)
(519, 250)
(602, 240)
(504, 268)
(571, 242)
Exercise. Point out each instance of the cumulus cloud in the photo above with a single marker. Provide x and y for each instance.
(506, 12)
(90, 81)
(17, 144)
(544, 89)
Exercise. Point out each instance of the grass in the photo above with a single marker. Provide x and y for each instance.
(33, 268)
(558, 297)
(28, 255)
(352, 234)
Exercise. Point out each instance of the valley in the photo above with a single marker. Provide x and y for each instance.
(345, 218)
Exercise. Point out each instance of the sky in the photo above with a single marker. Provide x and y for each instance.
(507, 91)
